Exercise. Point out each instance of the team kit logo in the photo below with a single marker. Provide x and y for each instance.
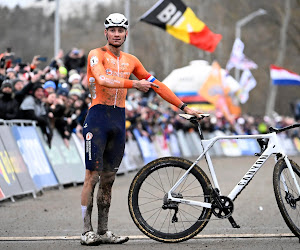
(93, 61)
(88, 144)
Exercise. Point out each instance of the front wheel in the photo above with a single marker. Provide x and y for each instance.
(286, 193)
(159, 218)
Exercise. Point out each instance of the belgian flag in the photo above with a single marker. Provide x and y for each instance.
(181, 22)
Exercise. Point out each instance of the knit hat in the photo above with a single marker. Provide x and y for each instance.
(36, 87)
(63, 91)
(75, 92)
(73, 77)
(63, 71)
(6, 83)
(49, 84)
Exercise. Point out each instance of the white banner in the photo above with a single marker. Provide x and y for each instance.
(238, 59)
(247, 83)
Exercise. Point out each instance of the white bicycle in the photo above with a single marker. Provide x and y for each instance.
(171, 199)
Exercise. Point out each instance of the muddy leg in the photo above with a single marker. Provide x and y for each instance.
(87, 194)
(103, 199)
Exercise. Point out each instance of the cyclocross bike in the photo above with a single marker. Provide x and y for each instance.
(171, 199)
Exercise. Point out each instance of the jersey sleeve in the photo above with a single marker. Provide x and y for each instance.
(95, 65)
(168, 95)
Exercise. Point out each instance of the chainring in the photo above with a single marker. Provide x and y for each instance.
(223, 208)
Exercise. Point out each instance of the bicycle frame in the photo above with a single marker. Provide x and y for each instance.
(273, 147)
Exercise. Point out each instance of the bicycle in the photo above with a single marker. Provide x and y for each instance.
(171, 199)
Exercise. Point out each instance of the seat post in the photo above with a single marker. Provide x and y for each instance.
(200, 131)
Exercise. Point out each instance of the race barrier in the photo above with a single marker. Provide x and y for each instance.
(28, 165)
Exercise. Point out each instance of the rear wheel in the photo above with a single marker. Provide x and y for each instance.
(159, 218)
(287, 195)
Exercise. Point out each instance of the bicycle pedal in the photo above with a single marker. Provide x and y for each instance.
(233, 223)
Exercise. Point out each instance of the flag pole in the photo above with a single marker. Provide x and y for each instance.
(282, 50)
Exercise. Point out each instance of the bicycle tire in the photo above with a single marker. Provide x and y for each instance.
(288, 207)
(156, 179)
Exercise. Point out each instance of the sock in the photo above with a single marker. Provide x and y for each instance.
(83, 210)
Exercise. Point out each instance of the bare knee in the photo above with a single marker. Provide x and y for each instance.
(107, 179)
(91, 178)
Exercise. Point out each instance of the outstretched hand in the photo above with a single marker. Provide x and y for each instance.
(144, 85)
(191, 111)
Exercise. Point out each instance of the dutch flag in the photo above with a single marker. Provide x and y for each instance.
(281, 76)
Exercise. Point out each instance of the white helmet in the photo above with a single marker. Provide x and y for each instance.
(116, 20)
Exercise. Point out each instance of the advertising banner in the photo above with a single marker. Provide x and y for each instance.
(34, 156)
(147, 148)
(134, 154)
(190, 143)
(248, 146)
(65, 161)
(174, 145)
(161, 146)
(16, 160)
(2, 195)
(9, 183)
(183, 145)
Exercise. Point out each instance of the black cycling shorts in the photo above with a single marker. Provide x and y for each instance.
(104, 136)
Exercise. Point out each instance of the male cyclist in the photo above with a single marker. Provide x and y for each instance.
(108, 72)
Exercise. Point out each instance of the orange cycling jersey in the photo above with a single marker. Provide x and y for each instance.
(108, 78)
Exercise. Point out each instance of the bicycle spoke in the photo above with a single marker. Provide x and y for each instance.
(154, 186)
(147, 203)
(162, 188)
(150, 194)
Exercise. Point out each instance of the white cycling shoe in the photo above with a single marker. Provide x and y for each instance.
(110, 238)
(90, 238)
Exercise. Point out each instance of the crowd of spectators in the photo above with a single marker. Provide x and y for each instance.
(57, 96)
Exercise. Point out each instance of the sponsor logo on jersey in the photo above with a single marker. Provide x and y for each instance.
(89, 136)
(93, 61)
(109, 72)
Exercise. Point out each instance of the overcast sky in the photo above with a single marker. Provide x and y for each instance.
(13, 3)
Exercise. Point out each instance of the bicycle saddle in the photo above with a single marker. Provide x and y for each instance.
(193, 117)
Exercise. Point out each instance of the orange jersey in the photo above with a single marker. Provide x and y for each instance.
(104, 65)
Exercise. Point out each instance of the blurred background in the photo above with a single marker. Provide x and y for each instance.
(28, 28)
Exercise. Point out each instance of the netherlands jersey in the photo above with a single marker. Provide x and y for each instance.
(103, 64)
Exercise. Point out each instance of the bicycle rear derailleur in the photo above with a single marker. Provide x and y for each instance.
(172, 205)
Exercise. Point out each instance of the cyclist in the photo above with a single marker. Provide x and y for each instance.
(108, 72)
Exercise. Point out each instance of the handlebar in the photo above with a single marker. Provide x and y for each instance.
(279, 130)
(195, 119)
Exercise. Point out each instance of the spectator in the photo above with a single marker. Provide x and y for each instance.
(75, 59)
(49, 87)
(11, 74)
(8, 105)
(74, 79)
(32, 108)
